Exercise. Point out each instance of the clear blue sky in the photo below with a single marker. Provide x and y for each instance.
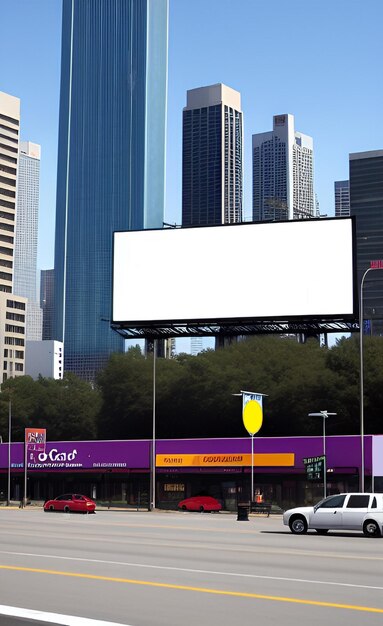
(320, 60)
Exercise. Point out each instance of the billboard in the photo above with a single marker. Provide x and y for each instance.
(258, 271)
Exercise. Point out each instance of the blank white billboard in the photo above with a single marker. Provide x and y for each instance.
(272, 271)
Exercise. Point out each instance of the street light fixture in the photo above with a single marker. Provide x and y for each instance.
(9, 452)
(374, 265)
(153, 463)
(324, 415)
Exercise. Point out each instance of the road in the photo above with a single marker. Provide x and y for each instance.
(167, 569)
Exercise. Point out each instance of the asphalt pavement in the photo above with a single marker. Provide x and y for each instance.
(167, 569)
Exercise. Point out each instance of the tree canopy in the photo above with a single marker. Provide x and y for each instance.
(67, 408)
(194, 394)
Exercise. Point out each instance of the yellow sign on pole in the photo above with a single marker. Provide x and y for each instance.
(252, 415)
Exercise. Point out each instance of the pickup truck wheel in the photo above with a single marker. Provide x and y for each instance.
(371, 529)
(298, 525)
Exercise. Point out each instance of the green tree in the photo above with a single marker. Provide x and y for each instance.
(67, 408)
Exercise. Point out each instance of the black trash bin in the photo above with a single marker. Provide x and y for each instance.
(243, 513)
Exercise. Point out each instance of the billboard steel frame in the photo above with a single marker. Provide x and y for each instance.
(313, 327)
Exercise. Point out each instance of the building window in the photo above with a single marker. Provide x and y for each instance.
(10, 328)
(12, 120)
(13, 341)
(14, 304)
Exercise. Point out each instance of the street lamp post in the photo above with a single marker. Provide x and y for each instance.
(374, 265)
(324, 415)
(153, 481)
(9, 452)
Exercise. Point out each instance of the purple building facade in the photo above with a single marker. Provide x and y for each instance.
(119, 472)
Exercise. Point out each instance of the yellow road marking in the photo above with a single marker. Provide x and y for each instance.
(221, 592)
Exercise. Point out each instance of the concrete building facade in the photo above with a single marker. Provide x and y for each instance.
(13, 308)
(44, 358)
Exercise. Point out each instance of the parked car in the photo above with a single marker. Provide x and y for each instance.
(200, 503)
(344, 511)
(71, 503)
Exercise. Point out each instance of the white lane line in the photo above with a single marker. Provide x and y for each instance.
(53, 618)
(194, 571)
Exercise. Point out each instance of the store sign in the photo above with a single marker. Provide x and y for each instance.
(315, 467)
(93, 455)
(36, 438)
(225, 460)
(174, 487)
(55, 458)
(35, 442)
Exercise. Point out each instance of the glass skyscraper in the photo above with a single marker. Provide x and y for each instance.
(47, 278)
(111, 161)
(25, 264)
(342, 198)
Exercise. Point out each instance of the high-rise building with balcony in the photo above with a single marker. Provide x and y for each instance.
(25, 264)
(111, 160)
(342, 198)
(212, 156)
(12, 308)
(283, 181)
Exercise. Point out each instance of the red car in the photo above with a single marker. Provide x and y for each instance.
(200, 503)
(71, 503)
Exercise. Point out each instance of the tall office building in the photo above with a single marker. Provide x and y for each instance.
(283, 182)
(342, 198)
(196, 345)
(366, 203)
(111, 161)
(25, 265)
(12, 308)
(46, 302)
(212, 156)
